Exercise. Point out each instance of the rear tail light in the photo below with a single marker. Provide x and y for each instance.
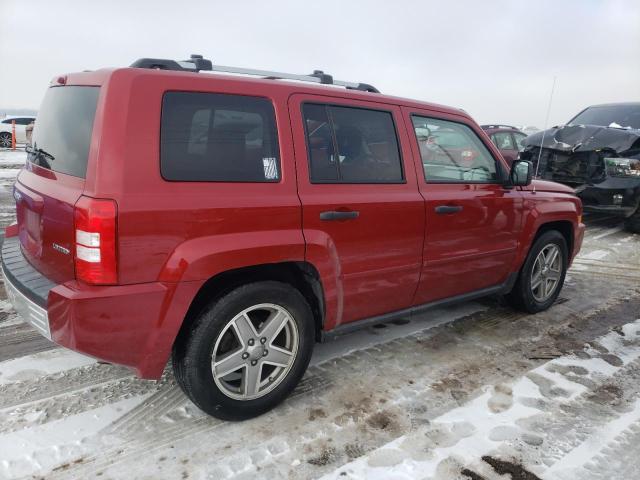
(95, 241)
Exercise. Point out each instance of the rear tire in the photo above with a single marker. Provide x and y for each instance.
(632, 223)
(542, 275)
(246, 351)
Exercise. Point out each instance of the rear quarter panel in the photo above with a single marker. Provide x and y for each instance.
(188, 231)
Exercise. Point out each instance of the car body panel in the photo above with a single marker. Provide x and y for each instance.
(393, 253)
(474, 248)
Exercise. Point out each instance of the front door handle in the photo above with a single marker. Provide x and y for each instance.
(333, 215)
(445, 209)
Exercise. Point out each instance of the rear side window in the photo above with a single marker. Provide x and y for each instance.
(218, 138)
(351, 145)
(62, 134)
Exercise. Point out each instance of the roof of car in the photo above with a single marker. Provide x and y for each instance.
(616, 104)
(99, 76)
(9, 117)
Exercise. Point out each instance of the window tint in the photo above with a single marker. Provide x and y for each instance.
(351, 145)
(452, 152)
(62, 133)
(218, 138)
(503, 141)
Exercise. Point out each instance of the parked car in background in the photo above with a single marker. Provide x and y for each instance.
(598, 154)
(528, 129)
(21, 129)
(508, 140)
(259, 216)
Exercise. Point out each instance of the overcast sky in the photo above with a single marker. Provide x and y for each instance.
(494, 58)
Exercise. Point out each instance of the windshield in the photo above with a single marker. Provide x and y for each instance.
(62, 133)
(617, 116)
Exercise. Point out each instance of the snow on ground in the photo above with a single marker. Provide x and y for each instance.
(484, 425)
(12, 158)
(475, 391)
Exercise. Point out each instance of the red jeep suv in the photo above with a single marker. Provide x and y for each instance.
(230, 222)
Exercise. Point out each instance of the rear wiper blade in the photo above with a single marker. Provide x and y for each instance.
(39, 152)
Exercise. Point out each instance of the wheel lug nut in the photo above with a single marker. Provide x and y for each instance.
(254, 363)
(251, 342)
(265, 353)
(263, 340)
(245, 355)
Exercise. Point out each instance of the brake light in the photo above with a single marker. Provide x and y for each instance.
(95, 241)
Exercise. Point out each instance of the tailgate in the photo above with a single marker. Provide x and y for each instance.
(53, 179)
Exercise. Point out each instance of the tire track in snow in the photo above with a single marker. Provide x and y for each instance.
(147, 442)
(65, 382)
(32, 368)
(21, 339)
(463, 435)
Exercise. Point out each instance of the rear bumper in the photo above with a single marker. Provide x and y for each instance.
(29, 310)
(26, 288)
(130, 325)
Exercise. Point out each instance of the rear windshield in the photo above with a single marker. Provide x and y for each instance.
(62, 132)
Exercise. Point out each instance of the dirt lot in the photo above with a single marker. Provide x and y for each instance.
(475, 391)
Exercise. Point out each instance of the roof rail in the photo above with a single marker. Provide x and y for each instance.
(197, 63)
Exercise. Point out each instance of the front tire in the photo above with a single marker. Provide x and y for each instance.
(246, 351)
(542, 275)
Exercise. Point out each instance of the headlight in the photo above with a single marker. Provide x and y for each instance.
(622, 167)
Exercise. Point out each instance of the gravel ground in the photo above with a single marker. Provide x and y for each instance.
(475, 391)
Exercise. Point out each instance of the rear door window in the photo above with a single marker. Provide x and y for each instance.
(62, 134)
(218, 138)
(351, 145)
(452, 153)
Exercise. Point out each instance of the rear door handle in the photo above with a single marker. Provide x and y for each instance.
(333, 215)
(445, 209)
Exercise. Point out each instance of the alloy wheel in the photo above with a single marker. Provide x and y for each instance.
(255, 351)
(546, 273)
(5, 141)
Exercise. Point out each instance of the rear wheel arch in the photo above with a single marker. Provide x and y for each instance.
(302, 276)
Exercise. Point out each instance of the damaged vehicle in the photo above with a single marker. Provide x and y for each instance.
(598, 154)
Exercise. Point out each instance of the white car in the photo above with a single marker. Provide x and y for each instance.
(21, 132)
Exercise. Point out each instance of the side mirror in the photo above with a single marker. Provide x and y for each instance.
(521, 173)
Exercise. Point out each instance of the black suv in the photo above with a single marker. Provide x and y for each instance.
(598, 153)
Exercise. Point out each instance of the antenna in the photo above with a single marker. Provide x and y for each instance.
(544, 131)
